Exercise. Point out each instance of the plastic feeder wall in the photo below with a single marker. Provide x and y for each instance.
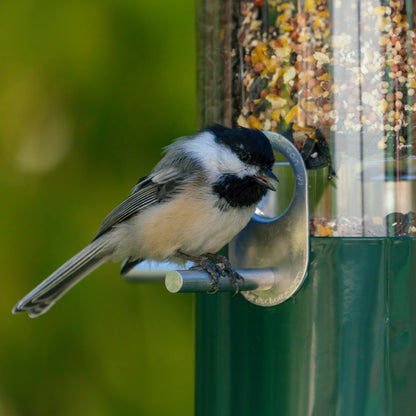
(338, 79)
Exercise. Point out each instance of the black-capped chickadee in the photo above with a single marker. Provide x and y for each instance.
(196, 199)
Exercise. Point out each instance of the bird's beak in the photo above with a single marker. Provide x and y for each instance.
(266, 177)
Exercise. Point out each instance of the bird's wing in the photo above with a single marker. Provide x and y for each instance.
(146, 195)
(160, 185)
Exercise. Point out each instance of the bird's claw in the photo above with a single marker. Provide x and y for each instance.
(222, 267)
(215, 273)
(216, 266)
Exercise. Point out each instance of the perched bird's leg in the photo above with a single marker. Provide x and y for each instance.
(226, 266)
(214, 270)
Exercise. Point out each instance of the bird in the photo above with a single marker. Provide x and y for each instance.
(200, 195)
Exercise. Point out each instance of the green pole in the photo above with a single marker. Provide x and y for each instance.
(345, 344)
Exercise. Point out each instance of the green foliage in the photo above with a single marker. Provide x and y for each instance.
(91, 90)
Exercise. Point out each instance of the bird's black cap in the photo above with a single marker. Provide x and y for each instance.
(253, 142)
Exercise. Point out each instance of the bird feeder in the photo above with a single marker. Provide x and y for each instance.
(338, 80)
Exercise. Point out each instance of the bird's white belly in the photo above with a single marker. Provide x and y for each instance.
(195, 228)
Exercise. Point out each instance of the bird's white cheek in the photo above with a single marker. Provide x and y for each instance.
(216, 159)
(232, 165)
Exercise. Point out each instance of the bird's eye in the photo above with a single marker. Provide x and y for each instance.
(243, 156)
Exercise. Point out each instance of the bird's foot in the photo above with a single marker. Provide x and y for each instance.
(215, 272)
(225, 265)
(216, 266)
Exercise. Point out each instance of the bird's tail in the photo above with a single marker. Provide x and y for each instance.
(44, 296)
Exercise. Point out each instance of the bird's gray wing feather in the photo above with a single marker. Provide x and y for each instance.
(142, 198)
(165, 179)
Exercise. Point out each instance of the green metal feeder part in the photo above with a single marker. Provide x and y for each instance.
(338, 80)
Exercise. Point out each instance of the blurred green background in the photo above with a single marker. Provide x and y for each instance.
(90, 92)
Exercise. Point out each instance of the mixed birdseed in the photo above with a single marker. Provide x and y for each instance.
(395, 224)
(314, 68)
(301, 73)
